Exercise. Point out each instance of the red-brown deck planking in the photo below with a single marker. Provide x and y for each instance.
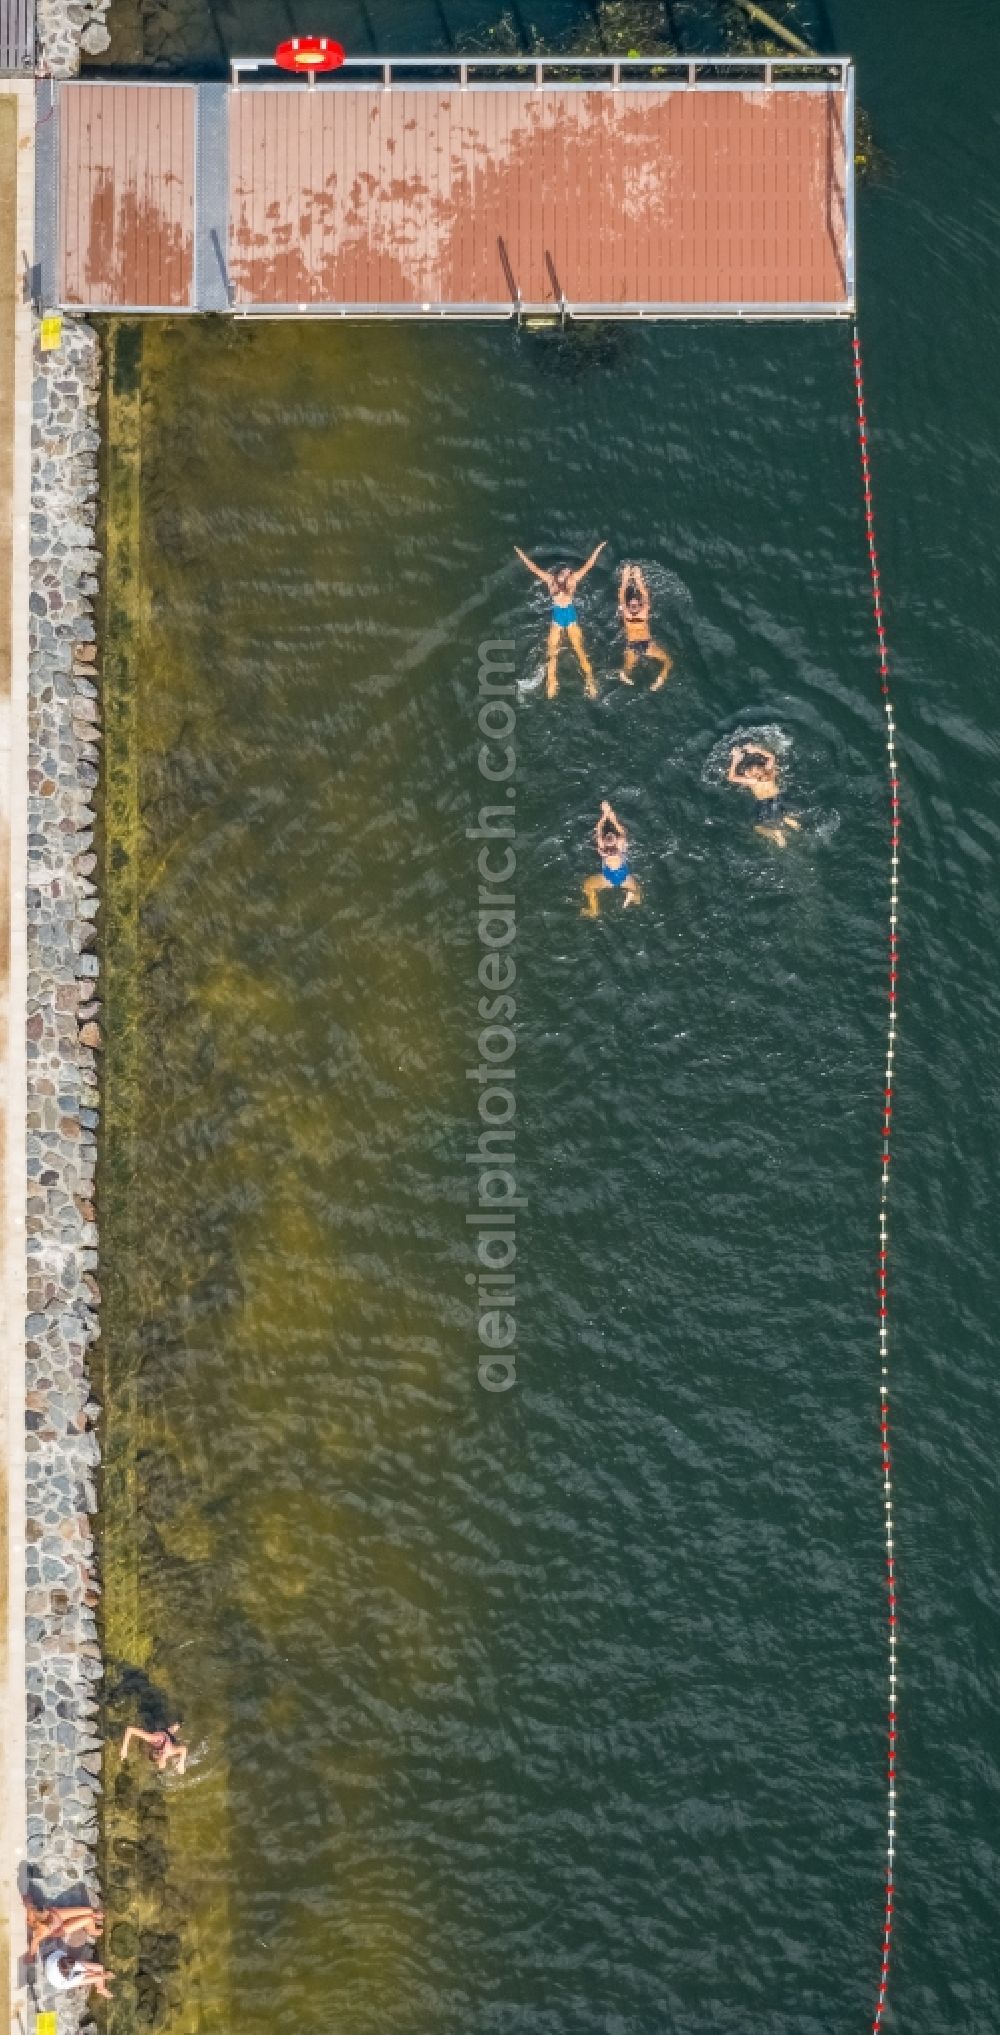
(356, 196)
(126, 195)
(640, 197)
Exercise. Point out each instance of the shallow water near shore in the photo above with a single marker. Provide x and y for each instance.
(562, 1710)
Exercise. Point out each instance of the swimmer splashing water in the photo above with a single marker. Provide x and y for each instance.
(755, 768)
(562, 585)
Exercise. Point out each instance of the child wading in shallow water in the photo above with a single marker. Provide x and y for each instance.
(755, 769)
(162, 1746)
(612, 847)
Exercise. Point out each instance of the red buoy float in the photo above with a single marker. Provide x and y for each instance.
(309, 53)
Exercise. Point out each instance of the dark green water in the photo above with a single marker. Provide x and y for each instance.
(558, 1711)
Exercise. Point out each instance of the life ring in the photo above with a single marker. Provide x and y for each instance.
(309, 53)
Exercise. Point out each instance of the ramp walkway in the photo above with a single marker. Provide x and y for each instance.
(16, 123)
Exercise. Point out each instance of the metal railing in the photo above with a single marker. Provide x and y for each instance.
(552, 314)
(705, 73)
(17, 37)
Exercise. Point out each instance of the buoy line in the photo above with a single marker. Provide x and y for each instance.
(883, 1217)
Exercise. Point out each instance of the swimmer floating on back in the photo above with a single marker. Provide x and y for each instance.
(635, 607)
(562, 585)
(755, 768)
(612, 847)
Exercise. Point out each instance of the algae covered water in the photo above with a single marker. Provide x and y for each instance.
(558, 1710)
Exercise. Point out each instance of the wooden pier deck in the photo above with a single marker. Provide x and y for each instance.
(473, 189)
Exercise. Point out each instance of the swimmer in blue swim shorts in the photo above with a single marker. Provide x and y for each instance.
(755, 768)
(562, 585)
(612, 847)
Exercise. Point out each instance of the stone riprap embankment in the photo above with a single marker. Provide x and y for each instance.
(65, 29)
(63, 1654)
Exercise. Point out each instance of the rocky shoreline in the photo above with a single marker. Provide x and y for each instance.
(68, 29)
(63, 1654)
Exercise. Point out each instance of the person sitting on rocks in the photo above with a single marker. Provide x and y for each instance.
(162, 1746)
(64, 1971)
(70, 1925)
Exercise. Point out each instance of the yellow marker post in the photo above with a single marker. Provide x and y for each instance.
(45, 2024)
(51, 341)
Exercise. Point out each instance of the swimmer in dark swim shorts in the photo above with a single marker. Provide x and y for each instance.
(755, 769)
(612, 847)
(635, 608)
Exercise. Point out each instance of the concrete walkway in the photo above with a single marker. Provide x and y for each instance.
(16, 242)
